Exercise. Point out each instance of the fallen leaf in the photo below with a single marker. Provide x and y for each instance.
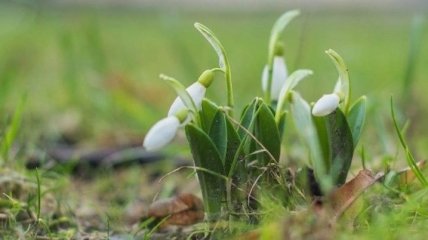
(182, 210)
(341, 198)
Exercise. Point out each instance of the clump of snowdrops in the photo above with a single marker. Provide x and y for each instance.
(238, 157)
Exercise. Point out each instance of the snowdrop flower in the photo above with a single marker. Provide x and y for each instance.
(163, 131)
(326, 105)
(196, 91)
(279, 75)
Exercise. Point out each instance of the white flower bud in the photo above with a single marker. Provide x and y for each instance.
(326, 105)
(196, 92)
(161, 133)
(279, 75)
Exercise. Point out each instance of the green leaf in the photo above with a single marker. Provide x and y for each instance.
(206, 156)
(409, 156)
(341, 146)
(11, 131)
(207, 113)
(278, 28)
(356, 118)
(301, 113)
(281, 124)
(233, 143)
(343, 88)
(266, 132)
(321, 127)
(247, 117)
(218, 133)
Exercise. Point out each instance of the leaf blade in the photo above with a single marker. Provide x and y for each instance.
(303, 121)
(341, 146)
(356, 118)
(206, 156)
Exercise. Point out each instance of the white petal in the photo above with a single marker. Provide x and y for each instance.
(161, 133)
(265, 78)
(326, 105)
(196, 92)
(279, 76)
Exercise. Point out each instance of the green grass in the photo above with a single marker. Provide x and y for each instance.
(94, 74)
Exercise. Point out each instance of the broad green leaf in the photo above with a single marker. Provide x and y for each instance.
(301, 113)
(409, 156)
(281, 124)
(233, 143)
(12, 130)
(218, 133)
(321, 127)
(341, 146)
(343, 88)
(207, 113)
(247, 117)
(277, 29)
(266, 132)
(206, 156)
(356, 118)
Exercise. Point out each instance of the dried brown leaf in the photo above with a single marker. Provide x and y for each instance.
(182, 210)
(345, 195)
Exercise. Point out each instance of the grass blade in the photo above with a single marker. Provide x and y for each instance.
(12, 130)
(414, 51)
(409, 156)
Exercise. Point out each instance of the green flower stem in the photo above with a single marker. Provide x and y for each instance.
(230, 101)
(343, 88)
(223, 62)
(277, 29)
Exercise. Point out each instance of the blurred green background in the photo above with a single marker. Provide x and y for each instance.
(93, 71)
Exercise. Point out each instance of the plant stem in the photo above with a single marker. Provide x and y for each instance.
(229, 89)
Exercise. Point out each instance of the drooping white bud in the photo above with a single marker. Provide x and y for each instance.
(196, 92)
(279, 76)
(326, 105)
(161, 133)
